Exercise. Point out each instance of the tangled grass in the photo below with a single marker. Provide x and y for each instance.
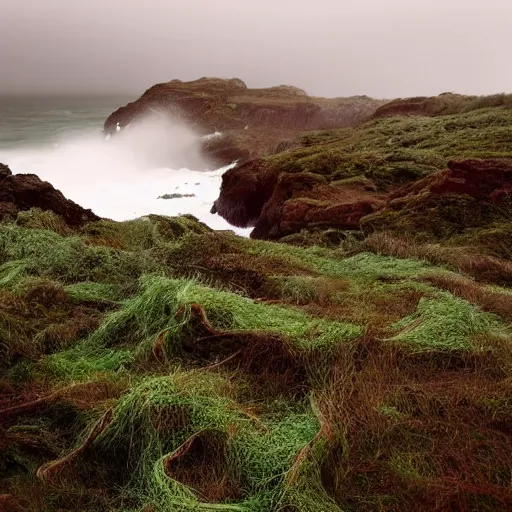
(156, 366)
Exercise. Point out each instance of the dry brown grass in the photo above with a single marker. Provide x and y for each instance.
(269, 362)
(54, 472)
(82, 396)
(481, 267)
(201, 463)
(368, 307)
(491, 301)
(411, 433)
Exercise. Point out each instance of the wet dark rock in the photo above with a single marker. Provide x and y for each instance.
(20, 192)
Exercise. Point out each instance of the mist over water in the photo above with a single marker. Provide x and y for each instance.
(118, 177)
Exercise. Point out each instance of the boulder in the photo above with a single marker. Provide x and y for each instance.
(244, 191)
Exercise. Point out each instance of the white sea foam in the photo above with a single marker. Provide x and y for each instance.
(121, 178)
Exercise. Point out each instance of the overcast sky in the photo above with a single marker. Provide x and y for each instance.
(382, 48)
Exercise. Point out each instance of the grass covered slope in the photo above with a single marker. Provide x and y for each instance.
(155, 365)
(398, 150)
(443, 179)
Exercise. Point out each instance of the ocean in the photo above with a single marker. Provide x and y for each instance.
(60, 139)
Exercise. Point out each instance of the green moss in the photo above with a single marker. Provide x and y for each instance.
(329, 238)
(495, 240)
(393, 151)
(494, 100)
(47, 254)
(297, 289)
(366, 266)
(143, 233)
(439, 217)
(42, 219)
(133, 234)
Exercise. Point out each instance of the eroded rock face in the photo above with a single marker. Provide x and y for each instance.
(253, 122)
(302, 201)
(279, 204)
(446, 103)
(244, 191)
(24, 191)
(469, 194)
(406, 107)
(480, 179)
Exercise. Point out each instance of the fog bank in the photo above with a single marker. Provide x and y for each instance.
(327, 47)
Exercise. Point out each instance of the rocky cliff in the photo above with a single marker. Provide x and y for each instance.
(253, 122)
(402, 175)
(443, 104)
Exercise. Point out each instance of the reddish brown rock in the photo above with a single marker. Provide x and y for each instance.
(279, 204)
(446, 103)
(24, 191)
(480, 179)
(407, 107)
(253, 122)
(307, 201)
(244, 191)
(470, 194)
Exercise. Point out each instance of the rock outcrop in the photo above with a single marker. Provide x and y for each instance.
(489, 180)
(443, 104)
(469, 194)
(244, 192)
(278, 204)
(24, 191)
(253, 122)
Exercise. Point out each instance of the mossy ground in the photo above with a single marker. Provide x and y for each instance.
(383, 155)
(397, 150)
(154, 365)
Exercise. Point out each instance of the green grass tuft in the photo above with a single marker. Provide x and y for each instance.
(445, 322)
(156, 308)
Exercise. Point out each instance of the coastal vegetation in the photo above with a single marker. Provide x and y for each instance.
(156, 365)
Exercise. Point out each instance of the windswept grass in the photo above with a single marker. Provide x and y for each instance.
(364, 265)
(170, 423)
(396, 150)
(169, 304)
(464, 259)
(448, 323)
(145, 368)
(68, 259)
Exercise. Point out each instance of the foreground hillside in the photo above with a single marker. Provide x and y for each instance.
(157, 365)
(360, 361)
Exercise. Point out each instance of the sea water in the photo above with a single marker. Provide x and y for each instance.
(61, 140)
